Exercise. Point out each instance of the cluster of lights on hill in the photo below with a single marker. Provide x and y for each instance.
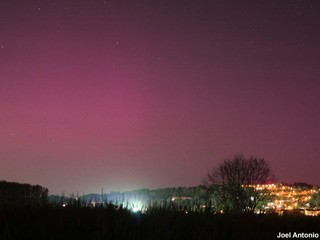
(289, 197)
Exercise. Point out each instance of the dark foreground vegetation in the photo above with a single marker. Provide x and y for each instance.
(111, 222)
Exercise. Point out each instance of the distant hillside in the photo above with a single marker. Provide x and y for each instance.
(141, 197)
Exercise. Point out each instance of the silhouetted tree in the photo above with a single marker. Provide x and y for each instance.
(231, 183)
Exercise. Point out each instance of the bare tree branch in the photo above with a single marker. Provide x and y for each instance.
(233, 180)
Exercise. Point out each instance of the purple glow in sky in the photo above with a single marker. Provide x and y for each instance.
(133, 94)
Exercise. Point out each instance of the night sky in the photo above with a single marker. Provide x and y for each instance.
(133, 94)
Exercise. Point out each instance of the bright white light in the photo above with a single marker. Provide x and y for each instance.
(135, 209)
(135, 206)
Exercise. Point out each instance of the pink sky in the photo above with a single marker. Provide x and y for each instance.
(131, 95)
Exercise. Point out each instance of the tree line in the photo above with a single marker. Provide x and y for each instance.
(18, 194)
(228, 187)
